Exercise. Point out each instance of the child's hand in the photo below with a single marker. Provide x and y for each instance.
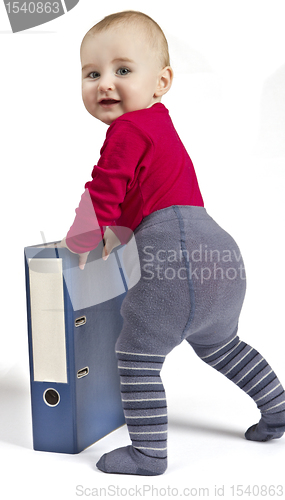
(111, 241)
(82, 256)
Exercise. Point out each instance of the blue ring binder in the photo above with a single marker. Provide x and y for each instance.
(73, 321)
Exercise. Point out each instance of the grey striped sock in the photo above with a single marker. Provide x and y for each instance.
(145, 409)
(244, 366)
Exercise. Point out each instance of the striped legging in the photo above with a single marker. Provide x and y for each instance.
(192, 287)
(144, 402)
(144, 399)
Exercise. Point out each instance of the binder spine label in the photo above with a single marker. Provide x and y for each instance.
(47, 320)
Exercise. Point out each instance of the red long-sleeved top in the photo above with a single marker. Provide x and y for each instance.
(143, 167)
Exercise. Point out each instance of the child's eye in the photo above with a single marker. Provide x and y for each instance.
(93, 75)
(123, 71)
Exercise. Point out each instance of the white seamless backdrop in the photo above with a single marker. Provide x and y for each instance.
(228, 105)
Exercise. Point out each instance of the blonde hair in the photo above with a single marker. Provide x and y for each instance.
(154, 34)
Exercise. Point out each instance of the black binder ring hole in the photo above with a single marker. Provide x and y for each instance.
(51, 397)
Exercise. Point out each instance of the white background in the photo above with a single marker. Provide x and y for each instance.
(228, 105)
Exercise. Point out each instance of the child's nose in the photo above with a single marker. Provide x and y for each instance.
(106, 83)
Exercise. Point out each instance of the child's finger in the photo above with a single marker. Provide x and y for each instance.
(82, 260)
(105, 253)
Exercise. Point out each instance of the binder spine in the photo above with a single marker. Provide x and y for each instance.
(75, 387)
(51, 380)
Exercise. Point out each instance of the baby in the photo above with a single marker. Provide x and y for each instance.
(192, 282)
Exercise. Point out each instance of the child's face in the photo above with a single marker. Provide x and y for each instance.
(120, 73)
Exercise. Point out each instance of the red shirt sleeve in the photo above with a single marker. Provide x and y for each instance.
(117, 169)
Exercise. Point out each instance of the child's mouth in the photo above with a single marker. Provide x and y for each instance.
(106, 103)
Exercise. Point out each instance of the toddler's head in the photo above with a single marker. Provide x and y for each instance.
(125, 65)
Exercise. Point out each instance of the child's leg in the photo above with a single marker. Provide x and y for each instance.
(244, 366)
(144, 404)
(155, 312)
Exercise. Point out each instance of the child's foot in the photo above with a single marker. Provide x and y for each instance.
(265, 430)
(129, 460)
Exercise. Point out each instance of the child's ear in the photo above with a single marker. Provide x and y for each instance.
(164, 83)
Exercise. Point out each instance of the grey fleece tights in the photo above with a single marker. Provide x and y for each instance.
(192, 287)
(244, 366)
(144, 404)
(145, 409)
